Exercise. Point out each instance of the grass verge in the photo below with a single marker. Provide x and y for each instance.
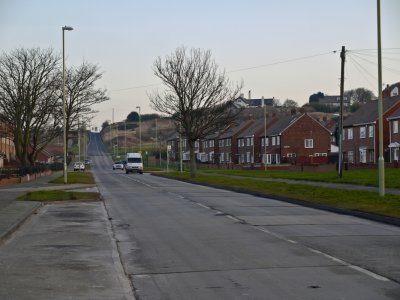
(367, 177)
(58, 195)
(362, 201)
(76, 177)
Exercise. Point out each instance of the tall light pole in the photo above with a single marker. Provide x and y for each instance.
(69, 28)
(381, 161)
(140, 130)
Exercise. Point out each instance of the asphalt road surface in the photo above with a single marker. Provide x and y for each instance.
(183, 241)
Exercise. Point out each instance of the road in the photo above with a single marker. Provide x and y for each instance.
(183, 241)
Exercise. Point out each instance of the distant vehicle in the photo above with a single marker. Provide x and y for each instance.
(88, 161)
(79, 166)
(118, 165)
(134, 163)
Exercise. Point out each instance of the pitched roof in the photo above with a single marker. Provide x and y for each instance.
(281, 125)
(258, 125)
(395, 114)
(232, 130)
(368, 113)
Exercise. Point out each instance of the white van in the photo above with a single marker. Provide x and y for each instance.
(134, 163)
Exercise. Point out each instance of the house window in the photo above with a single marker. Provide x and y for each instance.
(251, 141)
(221, 143)
(350, 156)
(273, 141)
(350, 133)
(196, 144)
(222, 157)
(241, 158)
(228, 142)
(291, 155)
(308, 143)
(362, 132)
(396, 126)
(211, 157)
(278, 140)
(248, 157)
(228, 157)
(211, 143)
(265, 140)
(370, 131)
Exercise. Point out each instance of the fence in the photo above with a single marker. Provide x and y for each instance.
(29, 170)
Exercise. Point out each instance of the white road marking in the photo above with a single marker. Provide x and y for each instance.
(202, 205)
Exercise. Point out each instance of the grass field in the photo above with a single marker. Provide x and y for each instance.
(339, 198)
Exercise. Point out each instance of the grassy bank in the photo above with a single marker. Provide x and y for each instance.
(347, 199)
(367, 177)
(58, 195)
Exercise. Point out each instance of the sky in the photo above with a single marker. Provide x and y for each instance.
(287, 49)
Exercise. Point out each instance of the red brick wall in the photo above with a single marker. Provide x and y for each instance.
(292, 139)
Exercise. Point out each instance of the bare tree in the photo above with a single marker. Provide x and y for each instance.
(288, 103)
(360, 95)
(28, 99)
(197, 95)
(82, 94)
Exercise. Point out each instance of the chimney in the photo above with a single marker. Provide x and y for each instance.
(262, 101)
(249, 94)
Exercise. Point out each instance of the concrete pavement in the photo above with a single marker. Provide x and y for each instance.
(66, 251)
(13, 213)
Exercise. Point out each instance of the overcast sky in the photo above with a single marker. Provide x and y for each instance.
(249, 39)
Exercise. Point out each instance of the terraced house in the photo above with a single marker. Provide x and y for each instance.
(361, 132)
(394, 136)
(297, 139)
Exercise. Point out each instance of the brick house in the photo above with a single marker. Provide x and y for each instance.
(361, 132)
(7, 147)
(173, 146)
(391, 90)
(394, 136)
(210, 149)
(250, 147)
(297, 139)
(228, 142)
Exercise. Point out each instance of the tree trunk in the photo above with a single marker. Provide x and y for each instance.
(193, 166)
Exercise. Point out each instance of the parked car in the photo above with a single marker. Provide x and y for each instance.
(118, 165)
(79, 166)
(88, 161)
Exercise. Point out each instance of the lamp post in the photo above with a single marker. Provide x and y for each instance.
(381, 160)
(140, 130)
(69, 28)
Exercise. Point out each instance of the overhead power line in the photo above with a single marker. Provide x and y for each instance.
(282, 62)
(238, 70)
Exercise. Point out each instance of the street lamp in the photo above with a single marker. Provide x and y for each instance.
(69, 28)
(140, 130)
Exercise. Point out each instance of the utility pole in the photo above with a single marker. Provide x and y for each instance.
(343, 58)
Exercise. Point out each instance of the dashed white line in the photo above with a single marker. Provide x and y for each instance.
(202, 205)
(335, 259)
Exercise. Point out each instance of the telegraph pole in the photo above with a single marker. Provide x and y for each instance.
(343, 58)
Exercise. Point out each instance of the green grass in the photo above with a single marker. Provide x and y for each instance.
(367, 177)
(58, 195)
(76, 177)
(339, 198)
